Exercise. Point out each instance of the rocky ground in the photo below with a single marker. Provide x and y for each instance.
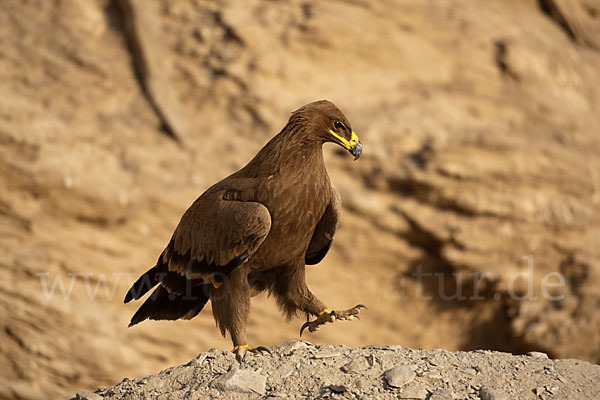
(479, 185)
(304, 370)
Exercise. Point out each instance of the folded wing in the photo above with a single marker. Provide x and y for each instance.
(324, 231)
(217, 234)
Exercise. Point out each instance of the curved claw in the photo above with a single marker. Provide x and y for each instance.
(262, 349)
(304, 326)
(241, 350)
(352, 313)
(324, 317)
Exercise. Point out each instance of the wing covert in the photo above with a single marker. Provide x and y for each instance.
(215, 235)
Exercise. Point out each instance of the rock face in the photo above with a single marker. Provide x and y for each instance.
(392, 373)
(472, 221)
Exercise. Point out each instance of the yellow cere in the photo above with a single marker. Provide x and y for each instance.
(347, 144)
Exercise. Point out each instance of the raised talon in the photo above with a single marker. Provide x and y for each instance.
(325, 316)
(351, 313)
(331, 316)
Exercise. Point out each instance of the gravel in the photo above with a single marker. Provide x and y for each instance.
(302, 370)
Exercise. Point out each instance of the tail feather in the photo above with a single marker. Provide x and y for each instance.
(144, 283)
(162, 305)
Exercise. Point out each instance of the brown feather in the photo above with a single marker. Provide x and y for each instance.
(324, 231)
(255, 229)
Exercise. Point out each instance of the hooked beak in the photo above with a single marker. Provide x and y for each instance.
(356, 150)
(353, 145)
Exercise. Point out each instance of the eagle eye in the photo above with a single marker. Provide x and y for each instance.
(338, 125)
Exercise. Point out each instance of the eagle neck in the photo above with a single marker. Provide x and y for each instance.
(292, 150)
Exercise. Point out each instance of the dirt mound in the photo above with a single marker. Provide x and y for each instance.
(477, 192)
(303, 370)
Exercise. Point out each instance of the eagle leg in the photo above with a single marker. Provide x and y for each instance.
(328, 315)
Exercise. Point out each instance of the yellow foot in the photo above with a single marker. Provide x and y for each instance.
(351, 313)
(241, 350)
(328, 315)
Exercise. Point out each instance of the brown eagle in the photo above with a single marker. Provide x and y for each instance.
(256, 230)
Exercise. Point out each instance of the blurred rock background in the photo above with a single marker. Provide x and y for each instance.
(481, 130)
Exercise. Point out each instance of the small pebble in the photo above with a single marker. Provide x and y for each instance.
(338, 388)
(241, 380)
(443, 394)
(356, 366)
(486, 393)
(400, 375)
(327, 354)
(537, 354)
(414, 391)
